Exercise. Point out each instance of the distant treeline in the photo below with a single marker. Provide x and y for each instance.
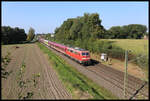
(16, 35)
(12, 35)
(89, 26)
(131, 31)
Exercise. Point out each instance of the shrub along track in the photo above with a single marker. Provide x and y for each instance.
(110, 78)
(49, 86)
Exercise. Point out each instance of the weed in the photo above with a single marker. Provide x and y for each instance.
(23, 84)
(5, 61)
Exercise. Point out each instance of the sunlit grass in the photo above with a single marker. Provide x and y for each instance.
(138, 46)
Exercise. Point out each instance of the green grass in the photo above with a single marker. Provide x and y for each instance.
(73, 80)
(138, 46)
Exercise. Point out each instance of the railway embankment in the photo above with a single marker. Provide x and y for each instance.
(77, 84)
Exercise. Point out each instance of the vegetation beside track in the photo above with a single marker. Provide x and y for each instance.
(139, 48)
(76, 83)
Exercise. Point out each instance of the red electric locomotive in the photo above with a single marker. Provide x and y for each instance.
(78, 54)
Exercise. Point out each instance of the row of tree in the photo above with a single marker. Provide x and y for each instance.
(86, 27)
(89, 26)
(12, 35)
(15, 35)
(131, 31)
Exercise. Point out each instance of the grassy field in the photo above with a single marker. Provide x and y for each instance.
(75, 82)
(138, 46)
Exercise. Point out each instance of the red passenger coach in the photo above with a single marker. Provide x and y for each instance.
(58, 47)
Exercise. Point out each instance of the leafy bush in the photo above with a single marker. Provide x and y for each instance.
(141, 61)
(116, 52)
(99, 46)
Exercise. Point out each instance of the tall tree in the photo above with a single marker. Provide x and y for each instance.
(82, 27)
(31, 34)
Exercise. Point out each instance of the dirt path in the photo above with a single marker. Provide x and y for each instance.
(49, 87)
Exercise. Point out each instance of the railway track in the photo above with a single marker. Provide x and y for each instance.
(120, 75)
(133, 82)
(110, 78)
(117, 80)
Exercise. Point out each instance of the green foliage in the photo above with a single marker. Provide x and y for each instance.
(80, 28)
(89, 26)
(134, 31)
(12, 35)
(31, 34)
(141, 60)
(5, 73)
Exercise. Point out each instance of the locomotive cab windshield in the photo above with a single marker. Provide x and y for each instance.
(85, 54)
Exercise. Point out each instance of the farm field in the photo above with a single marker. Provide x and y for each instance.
(137, 46)
(48, 87)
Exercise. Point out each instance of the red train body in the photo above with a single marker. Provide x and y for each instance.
(80, 55)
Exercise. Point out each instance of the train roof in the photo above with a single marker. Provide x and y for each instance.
(57, 44)
(64, 46)
(78, 49)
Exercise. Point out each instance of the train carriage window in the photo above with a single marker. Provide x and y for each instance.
(87, 53)
(83, 54)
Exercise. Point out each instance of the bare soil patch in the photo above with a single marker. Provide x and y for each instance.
(49, 86)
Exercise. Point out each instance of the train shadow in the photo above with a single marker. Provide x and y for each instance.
(93, 63)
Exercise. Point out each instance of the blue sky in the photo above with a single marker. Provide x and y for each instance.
(44, 17)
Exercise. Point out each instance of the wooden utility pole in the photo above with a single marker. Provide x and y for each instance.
(125, 72)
